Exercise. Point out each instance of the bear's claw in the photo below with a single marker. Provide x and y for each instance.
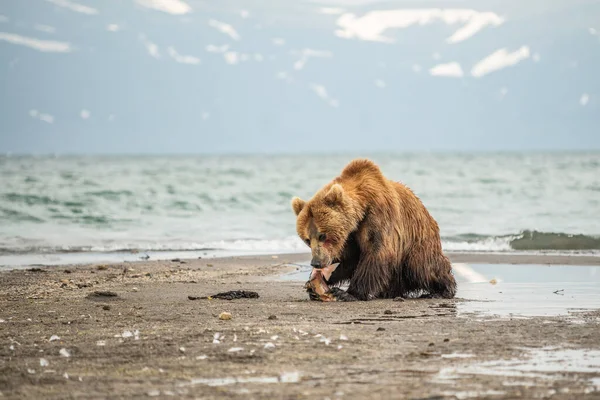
(341, 295)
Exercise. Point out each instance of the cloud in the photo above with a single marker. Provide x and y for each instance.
(450, 70)
(79, 8)
(224, 28)
(231, 57)
(372, 25)
(85, 114)
(278, 41)
(211, 48)
(174, 7)
(47, 46)
(45, 28)
(113, 28)
(47, 118)
(182, 59)
(305, 54)
(152, 48)
(380, 83)
(584, 99)
(498, 60)
(322, 93)
(330, 10)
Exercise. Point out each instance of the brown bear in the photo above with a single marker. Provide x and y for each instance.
(384, 239)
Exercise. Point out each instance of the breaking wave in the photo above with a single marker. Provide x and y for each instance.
(524, 241)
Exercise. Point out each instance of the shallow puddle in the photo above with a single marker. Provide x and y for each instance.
(517, 290)
(547, 363)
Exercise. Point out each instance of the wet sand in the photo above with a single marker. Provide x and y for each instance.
(58, 339)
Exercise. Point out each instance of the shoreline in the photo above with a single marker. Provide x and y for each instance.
(15, 262)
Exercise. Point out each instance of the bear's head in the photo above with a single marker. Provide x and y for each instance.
(324, 223)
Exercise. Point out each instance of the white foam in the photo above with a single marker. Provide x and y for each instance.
(372, 25)
(450, 70)
(488, 244)
(79, 8)
(46, 46)
(498, 60)
(174, 7)
(224, 28)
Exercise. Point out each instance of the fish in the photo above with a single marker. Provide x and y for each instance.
(317, 283)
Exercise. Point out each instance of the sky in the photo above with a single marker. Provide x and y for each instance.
(185, 76)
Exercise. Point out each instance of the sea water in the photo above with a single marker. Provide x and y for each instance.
(52, 205)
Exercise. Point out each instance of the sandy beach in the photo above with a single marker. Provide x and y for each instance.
(129, 330)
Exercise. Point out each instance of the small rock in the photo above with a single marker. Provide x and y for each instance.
(106, 307)
(431, 344)
(67, 271)
(101, 343)
(176, 260)
(272, 316)
(493, 281)
(380, 329)
(388, 312)
(269, 345)
(135, 289)
(64, 352)
(343, 337)
(182, 349)
(235, 349)
(102, 267)
(209, 265)
(53, 338)
(153, 393)
(44, 362)
(446, 340)
(225, 316)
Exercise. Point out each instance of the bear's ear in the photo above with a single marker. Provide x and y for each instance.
(335, 194)
(298, 204)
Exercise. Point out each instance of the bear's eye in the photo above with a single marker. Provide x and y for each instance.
(307, 241)
(322, 237)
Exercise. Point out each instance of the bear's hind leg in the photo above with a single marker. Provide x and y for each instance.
(431, 274)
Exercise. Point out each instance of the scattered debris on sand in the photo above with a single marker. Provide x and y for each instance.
(231, 295)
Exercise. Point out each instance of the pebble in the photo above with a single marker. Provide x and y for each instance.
(272, 316)
(388, 312)
(106, 307)
(225, 316)
(380, 329)
(135, 289)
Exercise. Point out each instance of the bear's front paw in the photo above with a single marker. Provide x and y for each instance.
(341, 295)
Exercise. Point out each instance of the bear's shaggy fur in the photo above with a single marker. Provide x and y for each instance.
(387, 243)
